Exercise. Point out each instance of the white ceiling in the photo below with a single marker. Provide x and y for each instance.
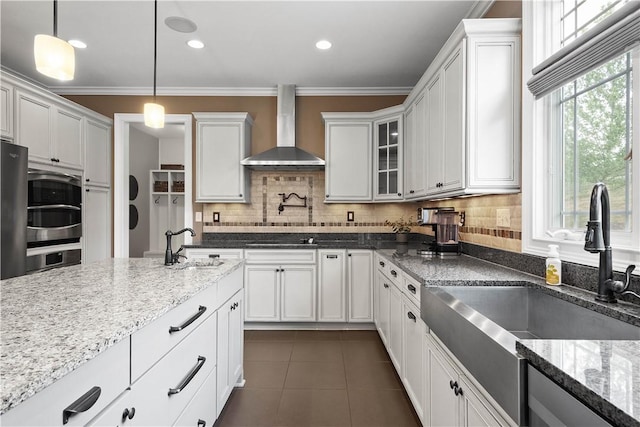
(251, 46)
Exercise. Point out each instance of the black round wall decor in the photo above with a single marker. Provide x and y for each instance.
(133, 187)
(133, 217)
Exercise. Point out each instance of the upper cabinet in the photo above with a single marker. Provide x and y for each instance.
(472, 104)
(222, 141)
(349, 158)
(6, 111)
(97, 153)
(388, 142)
(415, 149)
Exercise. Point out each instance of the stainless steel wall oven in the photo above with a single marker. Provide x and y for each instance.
(54, 212)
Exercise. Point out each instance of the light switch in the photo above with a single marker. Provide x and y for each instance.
(350, 216)
(216, 217)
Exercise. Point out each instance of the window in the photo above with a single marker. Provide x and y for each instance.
(577, 135)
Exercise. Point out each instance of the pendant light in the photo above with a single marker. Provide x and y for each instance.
(153, 112)
(54, 57)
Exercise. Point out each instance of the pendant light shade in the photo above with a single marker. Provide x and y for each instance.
(54, 57)
(153, 112)
(153, 115)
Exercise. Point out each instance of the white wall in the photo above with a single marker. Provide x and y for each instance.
(144, 152)
(172, 151)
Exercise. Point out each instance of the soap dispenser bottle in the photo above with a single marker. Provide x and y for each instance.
(553, 273)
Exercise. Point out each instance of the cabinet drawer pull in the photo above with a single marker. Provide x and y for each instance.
(332, 256)
(189, 321)
(458, 391)
(187, 379)
(128, 413)
(84, 403)
(214, 256)
(394, 273)
(385, 285)
(411, 288)
(411, 316)
(453, 384)
(202, 423)
(381, 264)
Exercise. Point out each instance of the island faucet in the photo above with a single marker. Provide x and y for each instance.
(171, 258)
(598, 240)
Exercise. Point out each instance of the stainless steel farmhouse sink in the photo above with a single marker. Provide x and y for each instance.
(480, 325)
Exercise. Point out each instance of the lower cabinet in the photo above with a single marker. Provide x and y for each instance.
(413, 351)
(360, 285)
(230, 344)
(200, 412)
(332, 285)
(383, 296)
(280, 286)
(96, 224)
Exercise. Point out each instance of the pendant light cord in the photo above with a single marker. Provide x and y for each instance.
(155, 46)
(55, 18)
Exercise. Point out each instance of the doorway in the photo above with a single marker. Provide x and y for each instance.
(124, 125)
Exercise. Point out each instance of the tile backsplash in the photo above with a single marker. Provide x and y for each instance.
(262, 214)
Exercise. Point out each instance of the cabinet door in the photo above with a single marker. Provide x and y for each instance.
(434, 124)
(331, 286)
(298, 287)
(220, 146)
(413, 334)
(395, 327)
(96, 224)
(382, 321)
(230, 345)
(443, 404)
(415, 155)
(97, 153)
(201, 412)
(360, 285)
(474, 413)
(68, 139)
(453, 79)
(409, 147)
(6, 110)
(388, 173)
(34, 127)
(236, 339)
(262, 292)
(349, 161)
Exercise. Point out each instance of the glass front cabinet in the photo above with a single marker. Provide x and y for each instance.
(389, 172)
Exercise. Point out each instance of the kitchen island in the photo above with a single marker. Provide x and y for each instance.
(54, 322)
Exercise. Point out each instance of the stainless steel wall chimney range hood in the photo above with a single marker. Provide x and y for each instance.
(285, 156)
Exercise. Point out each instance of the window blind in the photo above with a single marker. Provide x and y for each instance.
(610, 38)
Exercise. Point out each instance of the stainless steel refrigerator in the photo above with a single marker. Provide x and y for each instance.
(13, 220)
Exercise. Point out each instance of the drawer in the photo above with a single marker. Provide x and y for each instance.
(280, 256)
(411, 288)
(205, 253)
(382, 264)
(109, 371)
(202, 406)
(150, 397)
(153, 341)
(230, 285)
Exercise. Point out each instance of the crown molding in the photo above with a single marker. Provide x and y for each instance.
(479, 9)
(229, 91)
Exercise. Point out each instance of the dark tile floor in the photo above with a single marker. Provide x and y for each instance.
(317, 378)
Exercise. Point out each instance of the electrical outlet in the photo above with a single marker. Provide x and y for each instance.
(503, 218)
(216, 217)
(350, 216)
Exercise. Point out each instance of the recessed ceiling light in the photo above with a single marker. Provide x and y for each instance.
(323, 44)
(77, 43)
(182, 25)
(196, 44)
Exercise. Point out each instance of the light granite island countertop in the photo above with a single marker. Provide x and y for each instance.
(53, 322)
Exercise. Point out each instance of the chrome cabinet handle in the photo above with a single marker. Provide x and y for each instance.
(411, 288)
(189, 321)
(187, 379)
(84, 403)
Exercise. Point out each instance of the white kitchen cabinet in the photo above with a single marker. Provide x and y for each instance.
(109, 371)
(96, 223)
(452, 398)
(395, 327)
(388, 172)
(415, 149)
(200, 412)
(6, 110)
(230, 338)
(473, 110)
(53, 134)
(349, 158)
(383, 297)
(222, 141)
(280, 285)
(360, 285)
(97, 153)
(413, 373)
(332, 285)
